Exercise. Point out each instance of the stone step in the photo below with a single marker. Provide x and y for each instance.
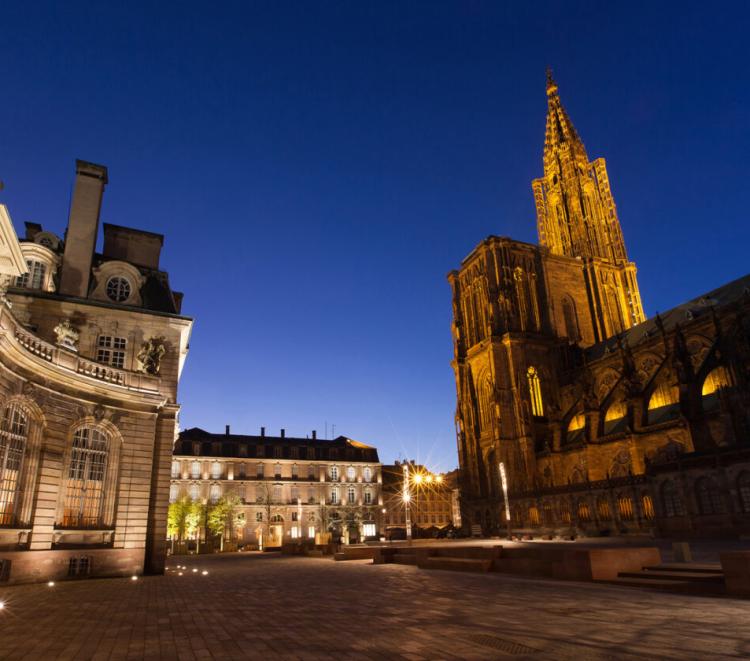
(653, 583)
(664, 575)
(457, 564)
(693, 567)
(405, 558)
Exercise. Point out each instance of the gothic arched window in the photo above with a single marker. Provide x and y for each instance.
(716, 379)
(708, 496)
(14, 434)
(671, 500)
(85, 485)
(535, 392)
(663, 403)
(485, 403)
(743, 491)
(571, 319)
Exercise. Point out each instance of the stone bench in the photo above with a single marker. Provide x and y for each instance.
(457, 564)
(736, 568)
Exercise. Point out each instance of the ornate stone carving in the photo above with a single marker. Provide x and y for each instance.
(67, 335)
(150, 355)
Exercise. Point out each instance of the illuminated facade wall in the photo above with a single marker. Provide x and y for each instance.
(91, 350)
(559, 376)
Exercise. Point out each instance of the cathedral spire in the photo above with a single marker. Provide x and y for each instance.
(576, 214)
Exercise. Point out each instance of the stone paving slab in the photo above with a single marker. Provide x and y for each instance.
(271, 607)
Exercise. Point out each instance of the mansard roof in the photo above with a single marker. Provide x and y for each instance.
(243, 445)
(682, 314)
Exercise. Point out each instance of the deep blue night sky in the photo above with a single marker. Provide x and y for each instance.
(318, 168)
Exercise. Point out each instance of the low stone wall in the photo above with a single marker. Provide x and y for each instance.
(736, 568)
(39, 566)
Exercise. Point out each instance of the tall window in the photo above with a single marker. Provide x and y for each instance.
(84, 490)
(351, 495)
(351, 473)
(195, 470)
(334, 496)
(535, 392)
(14, 433)
(663, 403)
(111, 350)
(708, 496)
(215, 493)
(334, 472)
(277, 471)
(195, 492)
(276, 493)
(295, 493)
(368, 497)
(485, 404)
(174, 491)
(571, 319)
(259, 471)
(671, 500)
(34, 278)
(175, 469)
(295, 471)
(368, 474)
(215, 470)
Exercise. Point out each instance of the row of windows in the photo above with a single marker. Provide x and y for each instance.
(280, 451)
(275, 494)
(217, 471)
(83, 490)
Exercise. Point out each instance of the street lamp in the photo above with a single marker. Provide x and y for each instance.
(407, 498)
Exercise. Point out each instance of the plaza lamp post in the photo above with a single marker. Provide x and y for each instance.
(407, 500)
(504, 484)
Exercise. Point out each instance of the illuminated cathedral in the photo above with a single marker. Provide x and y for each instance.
(606, 422)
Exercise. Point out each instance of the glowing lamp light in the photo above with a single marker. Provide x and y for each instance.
(407, 497)
(133, 578)
(194, 570)
(179, 573)
(2, 605)
(418, 479)
(204, 572)
(51, 584)
(428, 479)
(438, 478)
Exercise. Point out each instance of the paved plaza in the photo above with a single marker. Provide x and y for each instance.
(274, 607)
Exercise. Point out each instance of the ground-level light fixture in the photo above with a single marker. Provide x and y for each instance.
(51, 584)
(204, 572)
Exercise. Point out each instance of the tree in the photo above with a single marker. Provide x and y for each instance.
(264, 497)
(193, 518)
(223, 516)
(177, 518)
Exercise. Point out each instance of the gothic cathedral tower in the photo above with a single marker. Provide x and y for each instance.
(576, 216)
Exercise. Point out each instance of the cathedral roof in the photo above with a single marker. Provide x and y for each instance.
(681, 314)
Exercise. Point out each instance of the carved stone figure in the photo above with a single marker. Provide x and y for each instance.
(66, 335)
(150, 355)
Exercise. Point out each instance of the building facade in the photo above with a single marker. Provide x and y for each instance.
(287, 488)
(91, 350)
(604, 421)
(432, 497)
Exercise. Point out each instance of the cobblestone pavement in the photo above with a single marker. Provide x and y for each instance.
(271, 607)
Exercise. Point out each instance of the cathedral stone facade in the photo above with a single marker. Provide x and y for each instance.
(91, 349)
(605, 422)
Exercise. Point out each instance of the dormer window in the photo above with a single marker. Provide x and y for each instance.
(34, 277)
(118, 289)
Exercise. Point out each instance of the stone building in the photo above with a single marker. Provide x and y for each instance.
(288, 488)
(605, 421)
(91, 349)
(432, 497)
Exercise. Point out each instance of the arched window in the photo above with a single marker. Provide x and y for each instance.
(576, 428)
(565, 512)
(368, 474)
(584, 513)
(571, 319)
(708, 497)
(485, 403)
(648, 507)
(535, 392)
(615, 417)
(334, 473)
(277, 518)
(671, 500)
(351, 495)
(14, 434)
(523, 305)
(351, 473)
(534, 515)
(625, 507)
(34, 277)
(663, 403)
(84, 488)
(716, 379)
(743, 491)
(602, 508)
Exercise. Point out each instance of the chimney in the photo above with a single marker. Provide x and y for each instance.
(283, 433)
(262, 431)
(315, 434)
(227, 430)
(83, 227)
